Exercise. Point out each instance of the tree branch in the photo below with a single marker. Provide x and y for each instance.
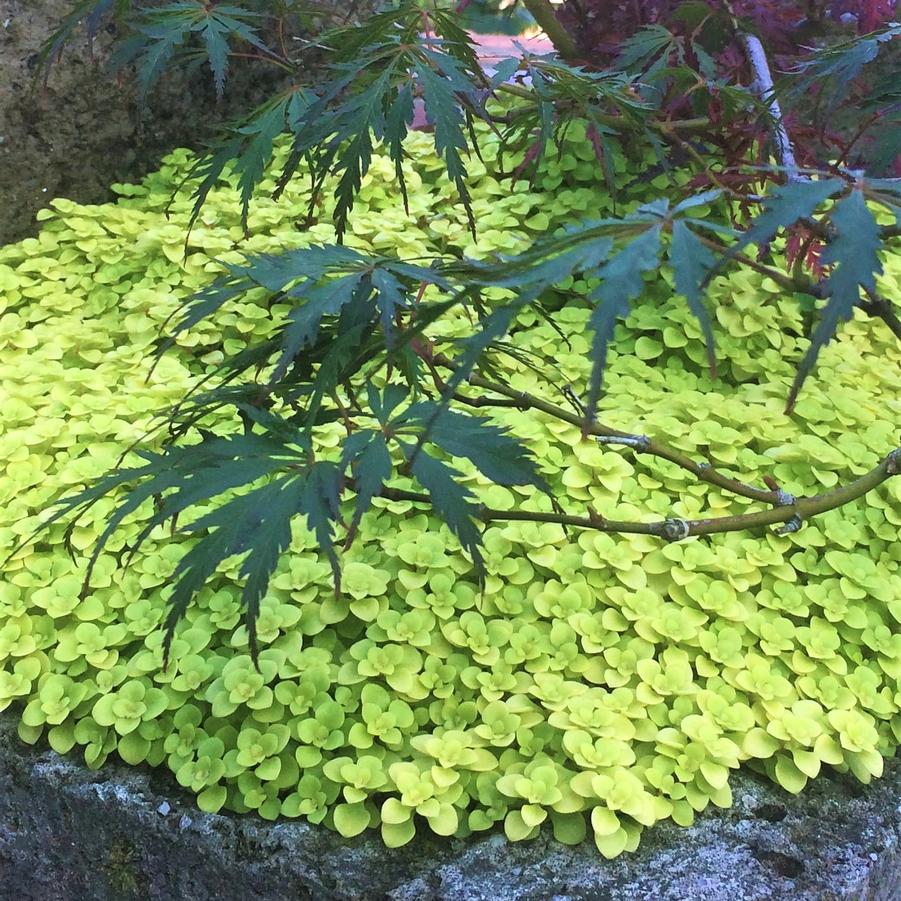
(666, 126)
(704, 472)
(792, 513)
(543, 13)
(765, 90)
(880, 308)
(783, 279)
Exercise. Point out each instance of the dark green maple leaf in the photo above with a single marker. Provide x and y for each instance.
(855, 254)
(691, 262)
(621, 283)
(452, 501)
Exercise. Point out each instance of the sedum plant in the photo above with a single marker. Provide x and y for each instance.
(370, 338)
(457, 510)
(592, 685)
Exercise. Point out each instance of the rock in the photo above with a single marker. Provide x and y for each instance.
(81, 129)
(70, 834)
(75, 132)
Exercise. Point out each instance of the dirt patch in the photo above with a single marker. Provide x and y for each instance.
(85, 129)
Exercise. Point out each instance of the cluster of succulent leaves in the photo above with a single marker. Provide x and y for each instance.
(333, 291)
(591, 682)
(361, 337)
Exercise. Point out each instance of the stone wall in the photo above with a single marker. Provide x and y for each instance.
(123, 834)
(83, 129)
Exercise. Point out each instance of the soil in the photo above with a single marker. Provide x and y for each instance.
(83, 128)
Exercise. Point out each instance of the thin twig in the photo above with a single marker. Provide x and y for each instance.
(880, 308)
(482, 402)
(272, 58)
(705, 472)
(666, 126)
(790, 283)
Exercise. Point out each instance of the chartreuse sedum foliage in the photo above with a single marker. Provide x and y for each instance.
(594, 683)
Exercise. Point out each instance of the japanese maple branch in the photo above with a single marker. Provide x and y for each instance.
(272, 58)
(543, 13)
(765, 90)
(784, 280)
(667, 126)
(791, 513)
(641, 444)
(880, 308)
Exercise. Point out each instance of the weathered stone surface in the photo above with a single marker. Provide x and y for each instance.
(68, 834)
(82, 129)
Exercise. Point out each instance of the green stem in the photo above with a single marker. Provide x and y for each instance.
(793, 513)
(667, 126)
(271, 58)
(880, 308)
(801, 284)
(702, 471)
(543, 13)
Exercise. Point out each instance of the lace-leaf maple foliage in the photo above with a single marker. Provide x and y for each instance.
(403, 438)
(360, 336)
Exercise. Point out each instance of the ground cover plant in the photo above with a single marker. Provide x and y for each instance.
(508, 471)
